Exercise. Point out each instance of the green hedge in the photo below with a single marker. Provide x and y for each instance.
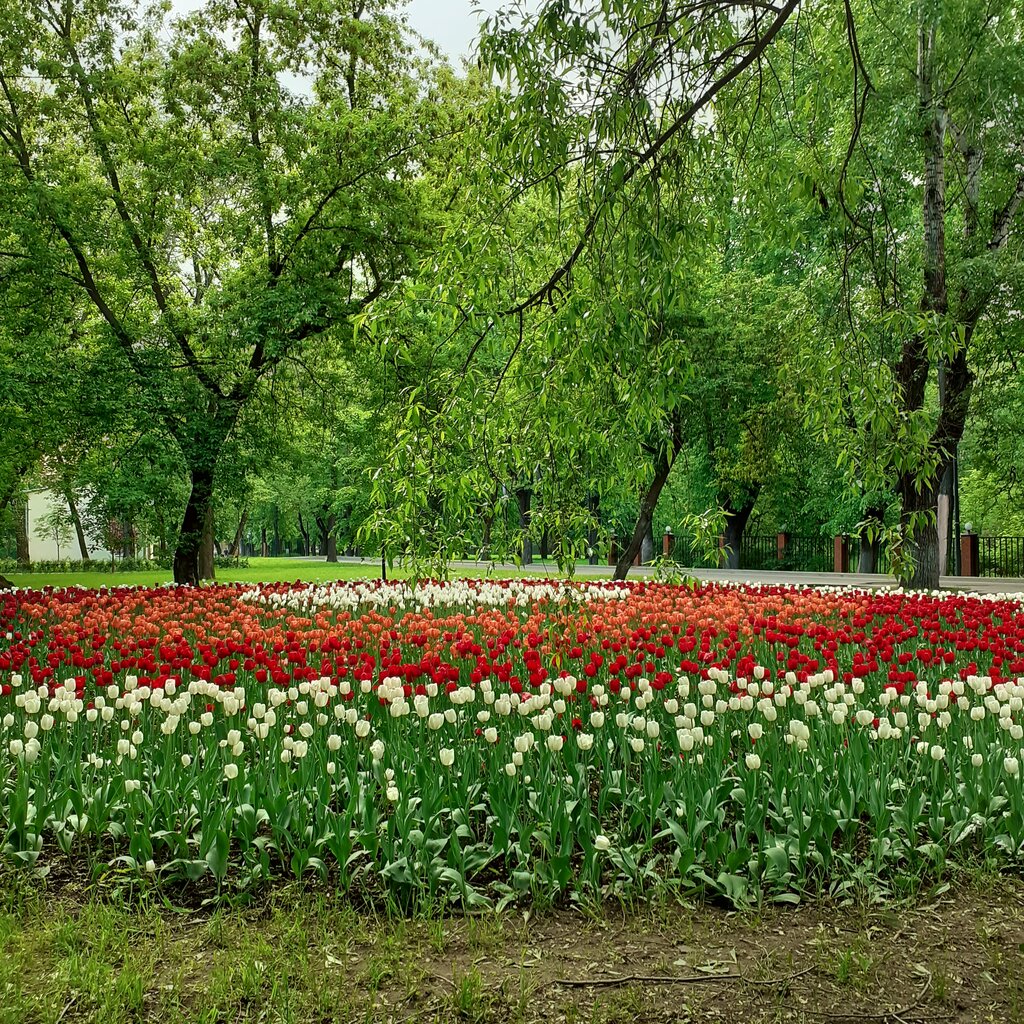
(10, 565)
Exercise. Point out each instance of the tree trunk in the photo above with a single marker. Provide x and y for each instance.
(867, 556)
(545, 544)
(918, 500)
(735, 524)
(236, 544)
(332, 540)
(22, 553)
(485, 544)
(8, 495)
(76, 518)
(190, 536)
(264, 545)
(207, 569)
(647, 545)
(867, 559)
(920, 535)
(523, 502)
(305, 535)
(944, 511)
(662, 468)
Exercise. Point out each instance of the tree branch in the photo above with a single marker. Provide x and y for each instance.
(648, 159)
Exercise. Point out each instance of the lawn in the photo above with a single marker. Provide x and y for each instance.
(259, 570)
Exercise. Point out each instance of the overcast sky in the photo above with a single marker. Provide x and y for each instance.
(452, 24)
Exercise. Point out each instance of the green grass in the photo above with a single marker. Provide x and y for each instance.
(259, 570)
(72, 955)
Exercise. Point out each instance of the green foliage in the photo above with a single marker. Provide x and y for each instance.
(213, 220)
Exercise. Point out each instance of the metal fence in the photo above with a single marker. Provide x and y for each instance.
(759, 551)
(1001, 556)
(802, 553)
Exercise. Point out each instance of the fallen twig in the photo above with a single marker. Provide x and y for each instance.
(694, 979)
(895, 1013)
(63, 1013)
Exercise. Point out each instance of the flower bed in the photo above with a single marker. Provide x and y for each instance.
(490, 740)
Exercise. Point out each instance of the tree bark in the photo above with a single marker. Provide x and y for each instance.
(193, 554)
(76, 518)
(485, 543)
(867, 558)
(207, 566)
(190, 536)
(305, 536)
(648, 502)
(9, 493)
(920, 541)
(647, 545)
(332, 540)
(264, 545)
(735, 524)
(918, 499)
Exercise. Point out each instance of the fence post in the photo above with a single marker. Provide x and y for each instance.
(840, 555)
(781, 542)
(969, 551)
(666, 542)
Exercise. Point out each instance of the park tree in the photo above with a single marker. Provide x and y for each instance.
(222, 188)
(595, 141)
(918, 202)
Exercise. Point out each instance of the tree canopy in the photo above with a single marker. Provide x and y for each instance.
(648, 262)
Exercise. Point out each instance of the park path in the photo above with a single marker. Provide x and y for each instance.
(970, 584)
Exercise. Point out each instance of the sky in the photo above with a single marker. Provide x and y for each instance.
(452, 24)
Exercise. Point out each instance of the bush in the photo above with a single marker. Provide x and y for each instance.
(9, 565)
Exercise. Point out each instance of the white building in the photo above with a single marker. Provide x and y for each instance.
(49, 542)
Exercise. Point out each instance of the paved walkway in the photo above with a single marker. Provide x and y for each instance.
(981, 585)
